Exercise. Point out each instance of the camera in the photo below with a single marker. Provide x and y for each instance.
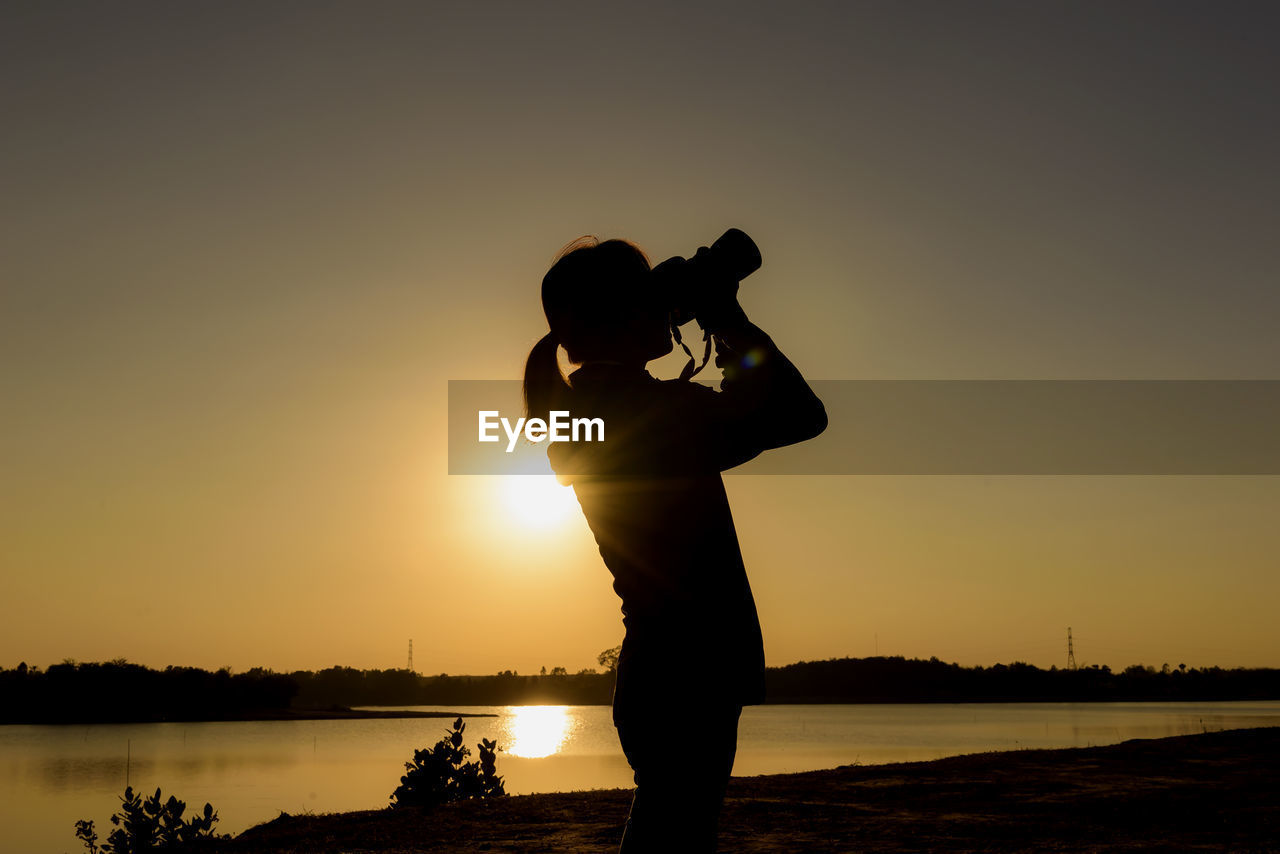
(685, 284)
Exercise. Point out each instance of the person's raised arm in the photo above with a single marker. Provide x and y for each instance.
(764, 402)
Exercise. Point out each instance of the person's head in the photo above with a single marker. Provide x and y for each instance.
(601, 306)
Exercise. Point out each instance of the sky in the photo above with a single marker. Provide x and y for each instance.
(245, 246)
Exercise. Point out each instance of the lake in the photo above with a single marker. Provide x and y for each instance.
(251, 771)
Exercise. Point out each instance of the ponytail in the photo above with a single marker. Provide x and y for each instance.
(544, 385)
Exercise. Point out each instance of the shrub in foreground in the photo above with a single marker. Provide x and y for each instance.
(441, 774)
(149, 824)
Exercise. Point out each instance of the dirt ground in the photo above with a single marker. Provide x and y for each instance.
(1210, 792)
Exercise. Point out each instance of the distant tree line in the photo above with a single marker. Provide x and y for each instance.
(117, 691)
(900, 680)
(345, 686)
(120, 691)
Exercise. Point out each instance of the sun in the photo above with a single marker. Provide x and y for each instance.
(537, 502)
(538, 731)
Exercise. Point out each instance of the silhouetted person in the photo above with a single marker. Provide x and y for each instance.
(653, 497)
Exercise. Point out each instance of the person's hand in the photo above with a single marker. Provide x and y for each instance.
(717, 301)
(715, 288)
(717, 297)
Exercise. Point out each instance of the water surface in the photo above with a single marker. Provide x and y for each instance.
(251, 771)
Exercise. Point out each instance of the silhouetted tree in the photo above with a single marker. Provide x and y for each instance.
(609, 658)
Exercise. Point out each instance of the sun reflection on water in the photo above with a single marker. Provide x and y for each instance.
(538, 731)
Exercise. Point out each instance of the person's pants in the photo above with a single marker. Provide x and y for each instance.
(682, 758)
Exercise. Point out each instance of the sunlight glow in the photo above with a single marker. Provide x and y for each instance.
(538, 501)
(538, 731)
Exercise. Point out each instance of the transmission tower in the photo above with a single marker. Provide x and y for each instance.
(1071, 651)
(410, 655)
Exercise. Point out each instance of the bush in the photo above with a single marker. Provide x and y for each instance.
(441, 774)
(151, 825)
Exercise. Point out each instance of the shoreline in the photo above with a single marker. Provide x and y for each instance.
(1210, 791)
(396, 710)
(342, 714)
(334, 714)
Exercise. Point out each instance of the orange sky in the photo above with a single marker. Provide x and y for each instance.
(245, 248)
